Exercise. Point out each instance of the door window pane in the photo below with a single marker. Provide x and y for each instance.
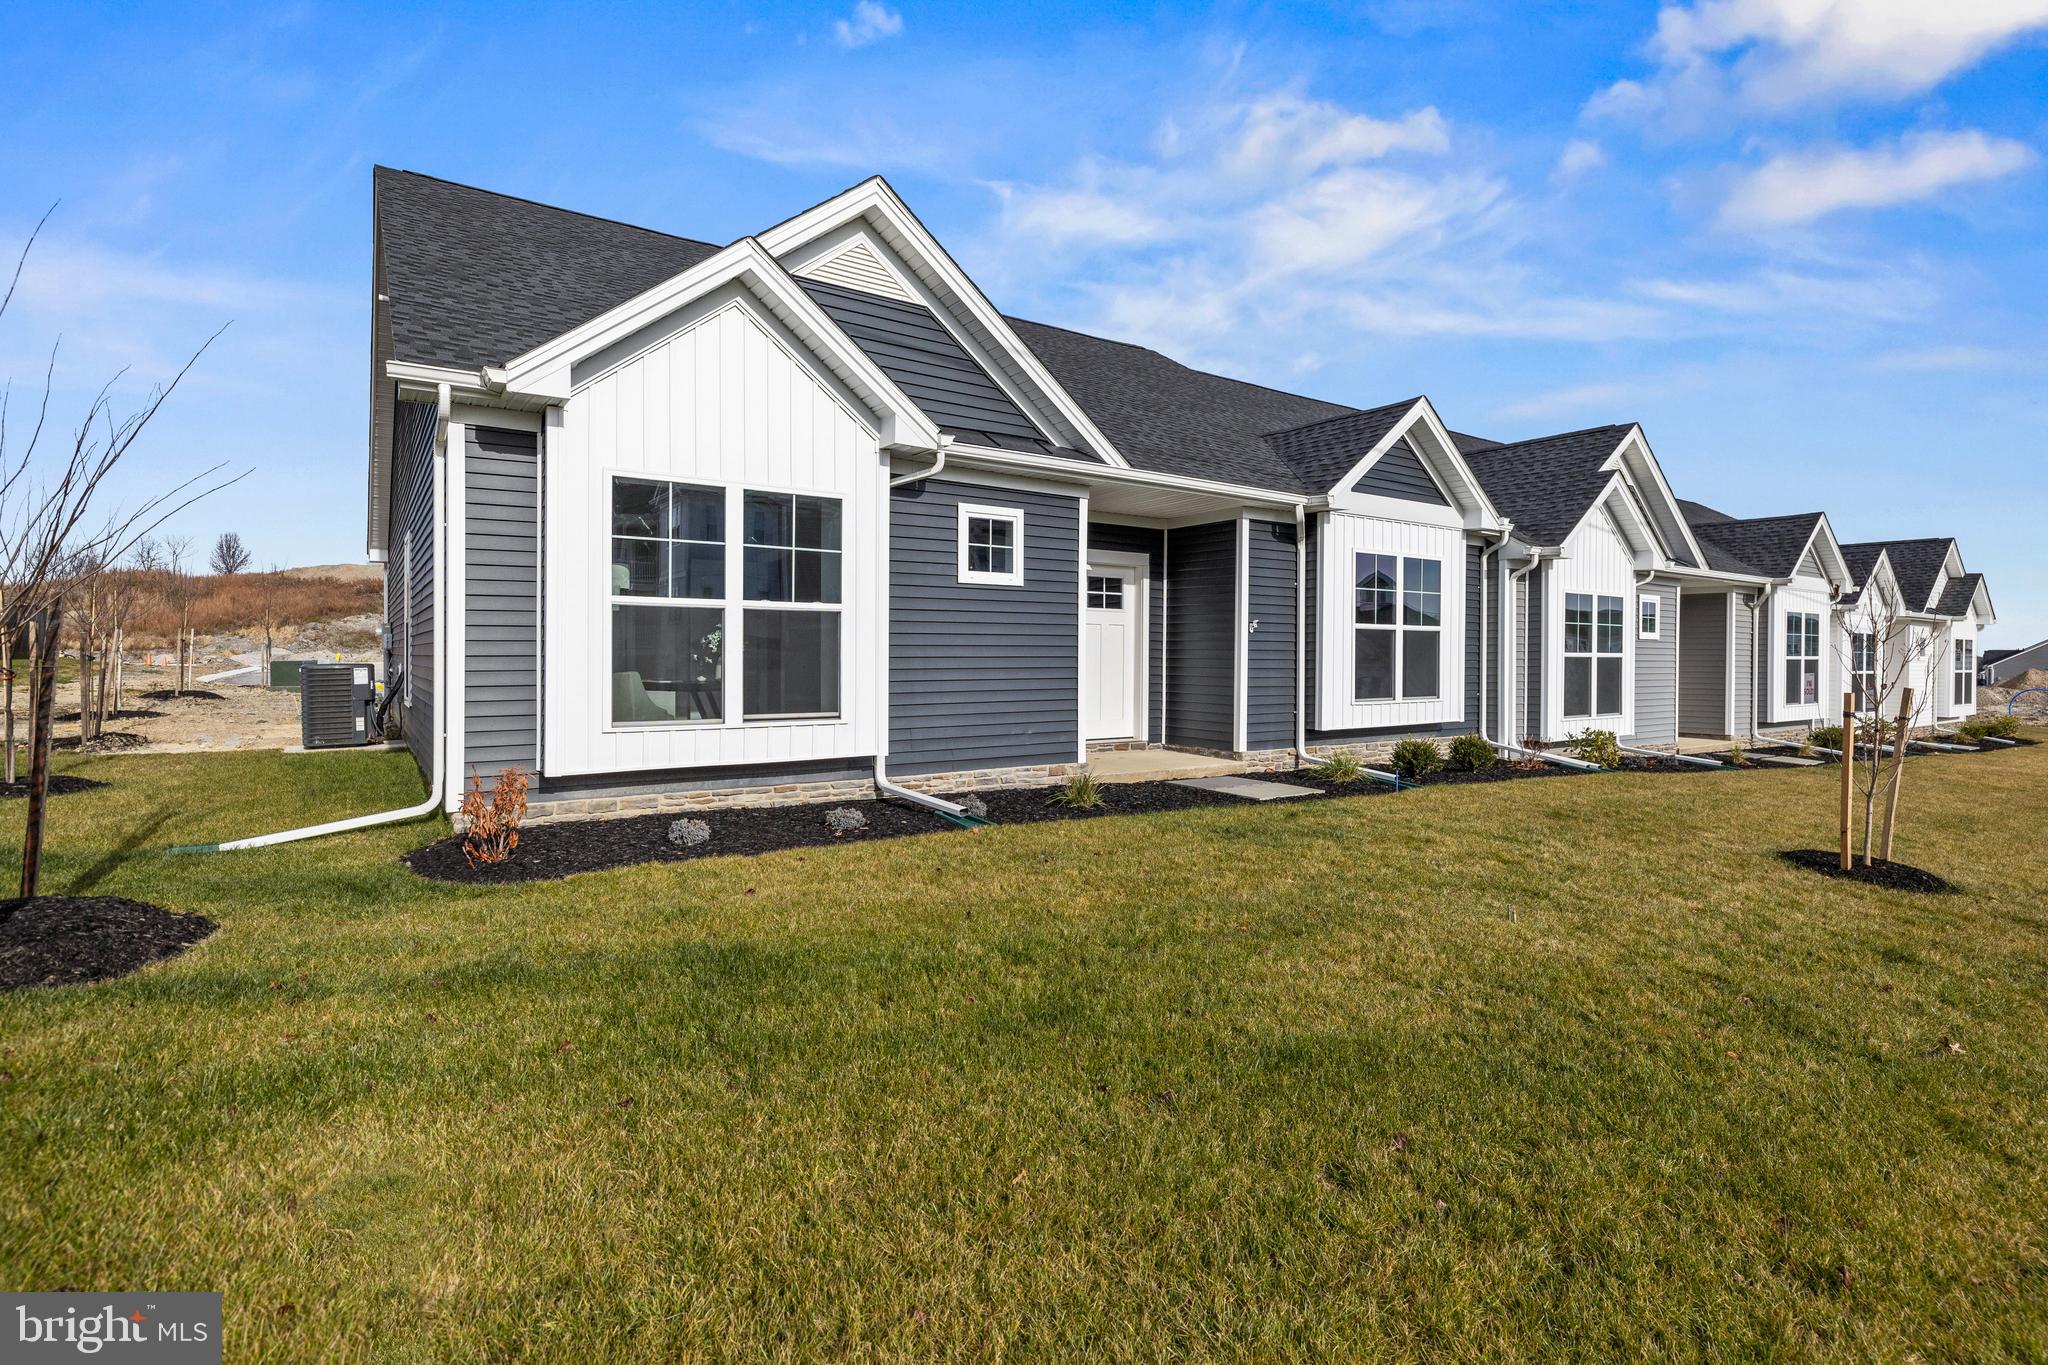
(1373, 662)
(792, 663)
(1105, 592)
(667, 663)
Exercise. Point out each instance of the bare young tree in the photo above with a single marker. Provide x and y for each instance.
(49, 521)
(229, 554)
(179, 590)
(270, 607)
(1881, 653)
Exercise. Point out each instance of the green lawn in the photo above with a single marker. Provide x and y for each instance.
(1533, 1070)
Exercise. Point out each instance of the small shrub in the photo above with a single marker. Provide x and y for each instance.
(1472, 754)
(1974, 729)
(1079, 793)
(973, 805)
(2002, 726)
(1738, 757)
(688, 833)
(1806, 747)
(844, 820)
(1417, 758)
(1826, 737)
(493, 826)
(1341, 768)
(1596, 746)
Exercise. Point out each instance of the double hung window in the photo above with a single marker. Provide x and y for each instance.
(1397, 628)
(1802, 658)
(1593, 658)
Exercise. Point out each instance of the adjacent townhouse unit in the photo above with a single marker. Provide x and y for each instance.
(2001, 666)
(806, 513)
(1936, 610)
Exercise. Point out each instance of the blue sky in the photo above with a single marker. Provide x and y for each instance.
(1802, 241)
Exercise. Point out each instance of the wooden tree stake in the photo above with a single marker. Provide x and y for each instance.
(1848, 772)
(1891, 799)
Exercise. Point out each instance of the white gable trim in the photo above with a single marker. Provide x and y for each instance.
(1634, 455)
(1441, 460)
(545, 371)
(1833, 564)
(852, 263)
(956, 294)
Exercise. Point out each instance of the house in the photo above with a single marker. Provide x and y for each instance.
(671, 523)
(1939, 611)
(2000, 666)
(1763, 648)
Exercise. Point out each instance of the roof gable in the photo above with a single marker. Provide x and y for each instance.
(1547, 485)
(1772, 547)
(1401, 474)
(1917, 565)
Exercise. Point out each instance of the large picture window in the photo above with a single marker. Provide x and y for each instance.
(1802, 658)
(1863, 669)
(1593, 658)
(1397, 628)
(674, 599)
(1966, 673)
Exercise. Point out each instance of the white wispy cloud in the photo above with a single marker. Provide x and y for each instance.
(1781, 54)
(1577, 399)
(870, 22)
(1580, 157)
(1955, 359)
(1796, 188)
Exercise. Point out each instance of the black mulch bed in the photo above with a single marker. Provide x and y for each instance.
(547, 852)
(64, 940)
(1367, 786)
(1890, 876)
(1635, 763)
(61, 784)
(105, 742)
(189, 694)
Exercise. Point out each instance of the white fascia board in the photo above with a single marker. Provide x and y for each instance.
(1662, 486)
(1831, 557)
(875, 200)
(1077, 472)
(544, 371)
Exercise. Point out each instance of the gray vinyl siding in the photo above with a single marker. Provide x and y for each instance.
(1201, 644)
(914, 348)
(1703, 672)
(412, 510)
(1149, 541)
(1656, 699)
(1743, 634)
(1269, 656)
(1399, 474)
(982, 675)
(501, 605)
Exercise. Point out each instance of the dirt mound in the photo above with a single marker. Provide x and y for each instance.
(2033, 677)
(63, 940)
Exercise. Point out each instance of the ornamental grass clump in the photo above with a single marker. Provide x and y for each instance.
(1472, 754)
(491, 828)
(1417, 758)
(1341, 768)
(1079, 793)
(1825, 737)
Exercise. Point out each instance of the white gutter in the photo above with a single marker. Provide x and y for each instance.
(1576, 764)
(922, 474)
(1074, 471)
(437, 779)
(1301, 754)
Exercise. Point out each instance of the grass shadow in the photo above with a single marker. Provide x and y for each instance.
(120, 853)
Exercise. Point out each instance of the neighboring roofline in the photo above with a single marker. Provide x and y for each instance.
(1072, 471)
(552, 208)
(875, 196)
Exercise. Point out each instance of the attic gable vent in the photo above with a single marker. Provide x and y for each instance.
(856, 266)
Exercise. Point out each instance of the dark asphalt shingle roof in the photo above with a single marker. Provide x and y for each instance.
(1546, 485)
(1915, 563)
(1170, 419)
(476, 278)
(1323, 452)
(1771, 546)
(1698, 514)
(1958, 593)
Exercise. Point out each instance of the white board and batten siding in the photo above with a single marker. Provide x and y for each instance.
(717, 394)
(1343, 536)
(1597, 561)
(1804, 595)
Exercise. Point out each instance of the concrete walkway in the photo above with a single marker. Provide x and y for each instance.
(1693, 744)
(1157, 765)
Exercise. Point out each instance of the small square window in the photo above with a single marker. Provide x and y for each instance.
(1649, 617)
(991, 545)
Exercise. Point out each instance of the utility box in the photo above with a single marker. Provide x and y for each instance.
(284, 673)
(337, 705)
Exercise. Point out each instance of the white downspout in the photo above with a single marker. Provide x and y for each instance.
(1301, 755)
(437, 779)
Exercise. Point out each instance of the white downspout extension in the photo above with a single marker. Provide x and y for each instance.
(438, 777)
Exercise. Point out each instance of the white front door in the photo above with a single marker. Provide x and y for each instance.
(1114, 637)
